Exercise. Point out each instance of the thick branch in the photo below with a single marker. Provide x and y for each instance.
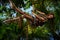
(38, 18)
(24, 14)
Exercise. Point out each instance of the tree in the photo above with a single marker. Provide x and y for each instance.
(49, 21)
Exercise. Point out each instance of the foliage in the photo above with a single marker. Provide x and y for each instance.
(9, 31)
(12, 31)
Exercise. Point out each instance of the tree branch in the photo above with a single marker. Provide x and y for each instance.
(38, 18)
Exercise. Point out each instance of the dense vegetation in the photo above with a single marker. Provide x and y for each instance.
(12, 31)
